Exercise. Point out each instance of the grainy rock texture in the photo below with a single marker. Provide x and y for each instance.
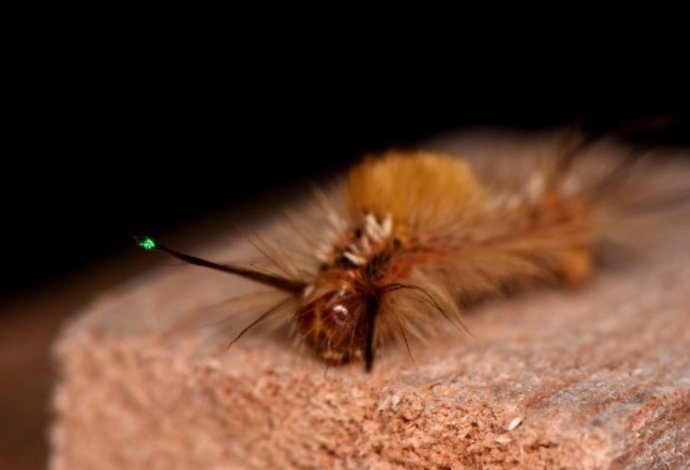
(592, 378)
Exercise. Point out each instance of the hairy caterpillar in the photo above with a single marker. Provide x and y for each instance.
(409, 238)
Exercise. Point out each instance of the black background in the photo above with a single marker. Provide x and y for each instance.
(98, 153)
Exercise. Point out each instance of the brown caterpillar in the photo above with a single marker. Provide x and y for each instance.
(411, 237)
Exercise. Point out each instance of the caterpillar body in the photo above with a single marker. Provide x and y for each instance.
(408, 239)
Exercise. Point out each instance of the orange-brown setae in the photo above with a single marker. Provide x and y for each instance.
(410, 238)
(419, 222)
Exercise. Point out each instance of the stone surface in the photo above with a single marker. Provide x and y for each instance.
(592, 378)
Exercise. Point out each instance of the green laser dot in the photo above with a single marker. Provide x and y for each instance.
(147, 243)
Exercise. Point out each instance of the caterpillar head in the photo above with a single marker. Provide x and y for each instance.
(337, 319)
